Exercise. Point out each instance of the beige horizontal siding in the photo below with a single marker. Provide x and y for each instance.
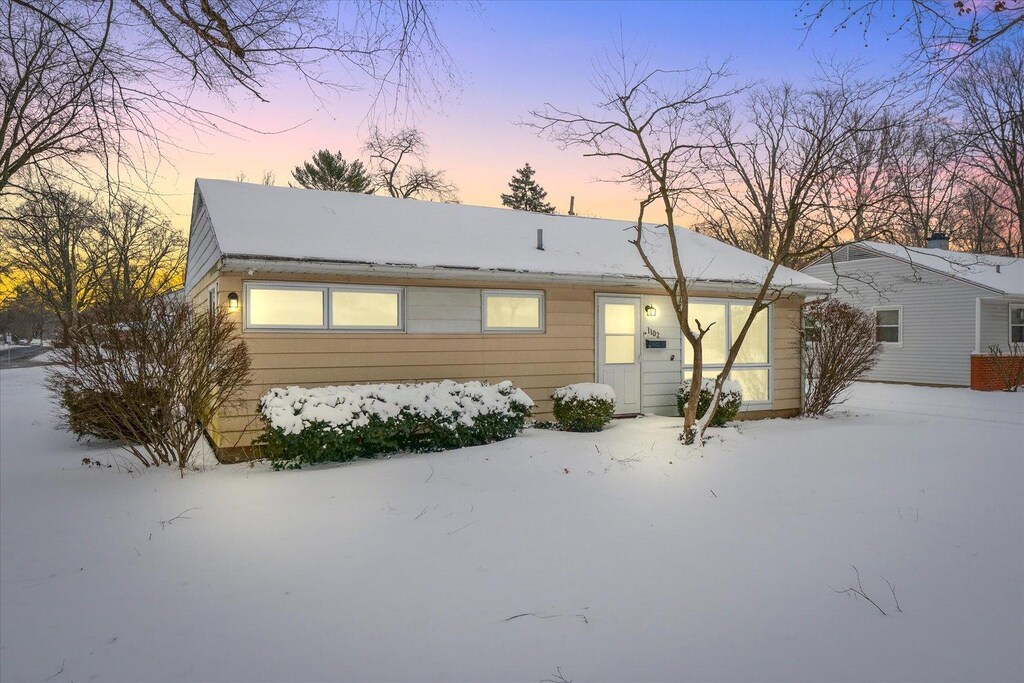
(538, 363)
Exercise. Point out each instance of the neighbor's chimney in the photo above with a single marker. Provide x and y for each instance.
(572, 205)
(938, 240)
(540, 238)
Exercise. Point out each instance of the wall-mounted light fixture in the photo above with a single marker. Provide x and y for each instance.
(651, 311)
(232, 302)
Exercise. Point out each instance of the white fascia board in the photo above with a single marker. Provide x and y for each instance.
(241, 263)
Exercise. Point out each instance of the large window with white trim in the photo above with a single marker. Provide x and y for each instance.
(273, 305)
(1017, 324)
(512, 311)
(724, 320)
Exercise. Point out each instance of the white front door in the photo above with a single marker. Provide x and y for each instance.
(618, 349)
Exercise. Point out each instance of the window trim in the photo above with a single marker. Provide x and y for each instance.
(1010, 324)
(250, 285)
(325, 289)
(377, 289)
(899, 324)
(537, 294)
(717, 367)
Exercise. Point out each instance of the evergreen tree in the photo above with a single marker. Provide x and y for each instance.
(526, 194)
(331, 172)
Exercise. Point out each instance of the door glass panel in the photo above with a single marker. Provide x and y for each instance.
(714, 341)
(619, 349)
(754, 384)
(755, 344)
(620, 318)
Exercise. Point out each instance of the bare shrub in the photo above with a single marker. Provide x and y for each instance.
(839, 346)
(150, 375)
(1008, 365)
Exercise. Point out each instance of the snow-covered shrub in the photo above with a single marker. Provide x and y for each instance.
(342, 423)
(728, 405)
(584, 407)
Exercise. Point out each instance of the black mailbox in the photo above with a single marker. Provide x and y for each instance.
(655, 343)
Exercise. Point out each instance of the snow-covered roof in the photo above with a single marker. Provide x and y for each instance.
(251, 221)
(1000, 273)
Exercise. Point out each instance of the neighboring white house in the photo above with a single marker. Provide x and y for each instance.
(937, 311)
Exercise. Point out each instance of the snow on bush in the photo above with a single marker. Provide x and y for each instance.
(341, 423)
(584, 391)
(584, 407)
(728, 405)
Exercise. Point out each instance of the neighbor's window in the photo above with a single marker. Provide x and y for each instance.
(513, 311)
(366, 308)
(271, 306)
(1017, 324)
(887, 325)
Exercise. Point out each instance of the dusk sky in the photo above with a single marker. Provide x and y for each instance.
(514, 56)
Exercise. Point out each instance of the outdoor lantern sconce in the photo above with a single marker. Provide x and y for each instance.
(232, 302)
(651, 311)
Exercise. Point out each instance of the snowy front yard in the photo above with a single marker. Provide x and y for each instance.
(612, 556)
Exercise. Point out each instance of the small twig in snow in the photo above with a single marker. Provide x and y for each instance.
(535, 615)
(713, 493)
(461, 528)
(558, 677)
(431, 473)
(859, 590)
(59, 672)
(180, 515)
(892, 589)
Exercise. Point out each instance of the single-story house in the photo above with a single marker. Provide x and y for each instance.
(345, 288)
(937, 311)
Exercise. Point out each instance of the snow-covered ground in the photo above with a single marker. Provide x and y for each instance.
(612, 556)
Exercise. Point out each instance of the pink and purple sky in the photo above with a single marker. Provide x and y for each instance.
(514, 56)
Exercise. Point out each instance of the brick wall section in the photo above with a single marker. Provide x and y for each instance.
(984, 375)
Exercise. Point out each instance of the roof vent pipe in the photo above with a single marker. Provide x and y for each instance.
(938, 240)
(572, 205)
(540, 238)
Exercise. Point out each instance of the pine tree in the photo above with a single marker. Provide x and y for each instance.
(331, 172)
(526, 195)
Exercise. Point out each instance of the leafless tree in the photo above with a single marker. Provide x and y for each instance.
(51, 241)
(981, 225)
(777, 162)
(141, 255)
(926, 168)
(947, 33)
(989, 93)
(682, 140)
(858, 204)
(74, 251)
(647, 121)
(398, 164)
(101, 80)
(25, 315)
